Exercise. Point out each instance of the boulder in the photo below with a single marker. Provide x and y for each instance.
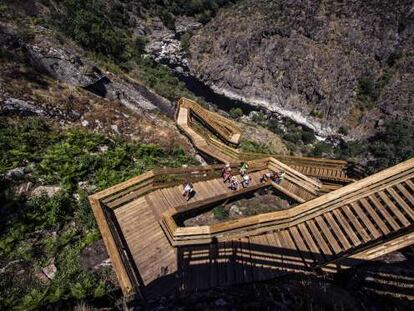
(235, 211)
(50, 191)
(50, 271)
(13, 106)
(15, 174)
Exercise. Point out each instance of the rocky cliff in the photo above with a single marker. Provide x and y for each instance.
(329, 64)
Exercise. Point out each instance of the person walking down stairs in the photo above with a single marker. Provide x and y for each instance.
(226, 173)
(246, 181)
(188, 191)
(234, 183)
(243, 169)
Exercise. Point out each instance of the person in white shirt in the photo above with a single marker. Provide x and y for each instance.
(246, 181)
(188, 191)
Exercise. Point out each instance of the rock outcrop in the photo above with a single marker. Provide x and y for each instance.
(64, 61)
(308, 59)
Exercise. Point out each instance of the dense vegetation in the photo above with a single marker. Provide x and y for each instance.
(392, 144)
(38, 231)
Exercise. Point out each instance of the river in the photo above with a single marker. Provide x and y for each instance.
(225, 103)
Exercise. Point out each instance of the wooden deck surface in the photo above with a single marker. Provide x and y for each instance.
(331, 232)
(332, 238)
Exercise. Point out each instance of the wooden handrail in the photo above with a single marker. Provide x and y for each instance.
(215, 123)
(224, 128)
(278, 220)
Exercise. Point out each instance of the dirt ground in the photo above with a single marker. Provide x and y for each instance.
(263, 201)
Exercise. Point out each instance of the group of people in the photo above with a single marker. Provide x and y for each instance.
(273, 176)
(233, 182)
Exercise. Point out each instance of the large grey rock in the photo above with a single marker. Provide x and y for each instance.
(163, 44)
(186, 24)
(17, 106)
(235, 211)
(50, 271)
(15, 174)
(66, 62)
(50, 191)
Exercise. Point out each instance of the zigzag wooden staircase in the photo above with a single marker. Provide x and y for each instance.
(153, 255)
(222, 146)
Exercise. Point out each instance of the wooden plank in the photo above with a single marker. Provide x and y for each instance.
(300, 244)
(405, 192)
(328, 234)
(256, 250)
(401, 202)
(293, 257)
(368, 224)
(384, 212)
(288, 193)
(275, 256)
(320, 241)
(124, 281)
(230, 269)
(271, 261)
(347, 228)
(410, 184)
(337, 231)
(246, 259)
(316, 253)
(222, 263)
(238, 262)
(394, 209)
(355, 222)
(214, 270)
(383, 227)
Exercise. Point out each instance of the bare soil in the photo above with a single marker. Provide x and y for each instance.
(263, 201)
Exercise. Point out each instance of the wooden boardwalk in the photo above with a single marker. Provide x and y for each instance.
(346, 227)
(328, 230)
(223, 150)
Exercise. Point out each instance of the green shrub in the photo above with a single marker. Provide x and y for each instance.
(236, 113)
(321, 149)
(308, 137)
(23, 141)
(251, 146)
(220, 213)
(274, 126)
(40, 229)
(59, 164)
(393, 144)
(343, 130)
(161, 80)
(316, 113)
(369, 90)
(293, 137)
(351, 149)
(259, 117)
(185, 41)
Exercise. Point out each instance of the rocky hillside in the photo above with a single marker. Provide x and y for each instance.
(329, 64)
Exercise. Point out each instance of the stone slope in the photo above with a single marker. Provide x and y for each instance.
(307, 59)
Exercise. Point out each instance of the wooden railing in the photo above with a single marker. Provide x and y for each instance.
(166, 177)
(337, 171)
(278, 220)
(226, 129)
